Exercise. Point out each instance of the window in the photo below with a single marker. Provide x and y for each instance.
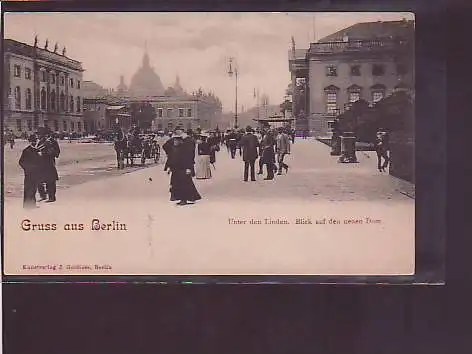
(378, 70)
(78, 104)
(79, 126)
(53, 100)
(402, 69)
(331, 102)
(62, 101)
(159, 112)
(18, 125)
(71, 103)
(30, 124)
(356, 70)
(28, 98)
(189, 112)
(53, 78)
(331, 70)
(78, 84)
(17, 71)
(56, 125)
(169, 112)
(354, 96)
(181, 112)
(64, 125)
(62, 80)
(159, 126)
(71, 82)
(377, 96)
(43, 98)
(72, 126)
(36, 122)
(28, 73)
(17, 97)
(44, 76)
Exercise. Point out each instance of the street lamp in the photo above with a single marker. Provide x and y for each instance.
(230, 73)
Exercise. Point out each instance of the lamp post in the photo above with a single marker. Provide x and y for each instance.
(230, 73)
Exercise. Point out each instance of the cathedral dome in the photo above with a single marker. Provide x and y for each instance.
(145, 82)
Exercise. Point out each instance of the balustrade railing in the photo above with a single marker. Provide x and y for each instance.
(356, 45)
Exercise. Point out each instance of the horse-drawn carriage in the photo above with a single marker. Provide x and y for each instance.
(139, 147)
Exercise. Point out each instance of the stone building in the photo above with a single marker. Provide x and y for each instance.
(42, 87)
(172, 106)
(366, 61)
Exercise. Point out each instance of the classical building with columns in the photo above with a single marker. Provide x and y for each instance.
(367, 61)
(42, 87)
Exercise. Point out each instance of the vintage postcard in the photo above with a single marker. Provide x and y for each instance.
(209, 144)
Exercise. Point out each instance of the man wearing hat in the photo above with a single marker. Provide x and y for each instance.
(249, 145)
(382, 148)
(282, 149)
(180, 152)
(30, 162)
(49, 150)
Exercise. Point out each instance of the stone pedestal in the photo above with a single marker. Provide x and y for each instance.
(348, 148)
(335, 145)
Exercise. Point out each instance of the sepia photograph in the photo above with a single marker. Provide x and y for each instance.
(209, 143)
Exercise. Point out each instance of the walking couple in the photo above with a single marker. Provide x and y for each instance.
(252, 149)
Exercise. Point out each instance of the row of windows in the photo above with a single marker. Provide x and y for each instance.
(354, 96)
(44, 77)
(377, 70)
(44, 100)
(160, 112)
(29, 125)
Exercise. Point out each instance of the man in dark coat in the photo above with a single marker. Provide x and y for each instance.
(232, 141)
(249, 145)
(49, 150)
(30, 162)
(214, 143)
(268, 154)
(180, 160)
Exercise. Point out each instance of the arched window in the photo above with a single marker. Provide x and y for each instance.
(62, 99)
(28, 98)
(78, 104)
(53, 100)
(378, 92)
(17, 97)
(354, 92)
(71, 103)
(43, 98)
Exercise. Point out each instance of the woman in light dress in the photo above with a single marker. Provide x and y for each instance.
(203, 170)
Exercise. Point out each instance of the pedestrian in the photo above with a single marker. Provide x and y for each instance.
(49, 150)
(382, 148)
(268, 154)
(282, 149)
(203, 170)
(214, 143)
(180, 160)
(232, 139)
(30, 162)
(249, 145)
(11, 139)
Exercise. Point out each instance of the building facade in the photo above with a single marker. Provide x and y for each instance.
(366, 61)
(42, 88)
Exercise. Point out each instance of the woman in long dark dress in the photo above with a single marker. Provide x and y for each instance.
(181, 164)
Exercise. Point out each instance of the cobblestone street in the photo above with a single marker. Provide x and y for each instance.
(199, 239)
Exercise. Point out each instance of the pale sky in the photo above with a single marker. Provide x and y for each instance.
(194, 45)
